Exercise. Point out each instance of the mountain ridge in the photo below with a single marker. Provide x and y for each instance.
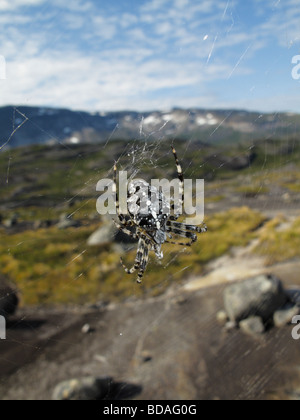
(44, 125)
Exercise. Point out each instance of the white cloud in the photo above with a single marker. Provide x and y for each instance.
(283, 21)
(103, 27)
(8, 5)
(153, 5)
(17, 19)
(73, 5)
(163, 28)
(127, 20)
(74, 22)
(153, 57)
(181, 3)
(106, 83)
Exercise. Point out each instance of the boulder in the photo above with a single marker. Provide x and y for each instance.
(85, 389)
(11, 222)
(107, 234)
(104, 235)
(252, 326)
(66, 221)
(42, 224)
(259, 296)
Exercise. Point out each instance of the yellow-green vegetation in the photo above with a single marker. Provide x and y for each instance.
(53, 266)
(293, 187)
(215, 199)
(287, 179)
(279, 244)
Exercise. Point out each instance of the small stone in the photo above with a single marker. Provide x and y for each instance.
(100, 359)
(86, 329)
(231, 325)
(252, 326)
(285, 315)
(86, 389)
(222, 317)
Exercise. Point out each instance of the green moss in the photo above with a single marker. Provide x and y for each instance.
(215, 199)
(277, 245)
(293, 187)
(55, 266)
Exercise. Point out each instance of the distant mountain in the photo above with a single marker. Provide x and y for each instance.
(52, 126)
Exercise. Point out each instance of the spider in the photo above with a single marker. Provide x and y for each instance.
(156, 227)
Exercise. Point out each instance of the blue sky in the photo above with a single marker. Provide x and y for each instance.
(143, 55)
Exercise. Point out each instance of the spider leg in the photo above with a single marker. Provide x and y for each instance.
(186, 231)
(173, 218)
(138, 259)
(179, 243)
(122, 226)
(115, 191)
(183, 227)
(144, 262)
(181, 180)
(183, 233)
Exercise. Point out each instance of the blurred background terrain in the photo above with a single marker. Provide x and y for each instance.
(62, 258)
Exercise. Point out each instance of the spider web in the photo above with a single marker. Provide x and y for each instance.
(134, 157)
(149, 152)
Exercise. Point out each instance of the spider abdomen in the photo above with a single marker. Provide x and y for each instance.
(149, 209)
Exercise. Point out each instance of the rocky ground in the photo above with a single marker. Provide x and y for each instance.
(169, 347)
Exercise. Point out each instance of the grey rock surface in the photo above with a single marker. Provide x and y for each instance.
(260, 296)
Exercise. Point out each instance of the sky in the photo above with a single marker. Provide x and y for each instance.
(142, 55)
